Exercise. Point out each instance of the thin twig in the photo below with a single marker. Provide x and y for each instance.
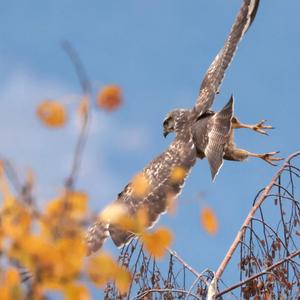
(248, 219)
(12, 175)
(144, 294)
(267, 270)
(197, 274)
(195, 282)
(87, 91)
(79, 68)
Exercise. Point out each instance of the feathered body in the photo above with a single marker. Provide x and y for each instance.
(199, 132)
(180, 154)
(158, 173)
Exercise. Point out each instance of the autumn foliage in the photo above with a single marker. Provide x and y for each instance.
(52, 113)
(49, 243)
(46, 247)
(109, 98)
(209, 220)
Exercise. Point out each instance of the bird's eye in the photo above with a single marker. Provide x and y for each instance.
(166, 122)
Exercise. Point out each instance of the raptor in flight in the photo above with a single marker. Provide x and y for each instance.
(213, 132)
(199, 132)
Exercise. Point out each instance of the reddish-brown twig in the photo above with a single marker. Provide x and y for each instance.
(243, 228)
(187, 266)
(147, 292)
(267, 270)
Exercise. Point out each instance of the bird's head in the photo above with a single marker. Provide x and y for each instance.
(175, 121)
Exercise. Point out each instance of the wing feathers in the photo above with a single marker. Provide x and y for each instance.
(184, 153)
(119, 236)
(215, 73)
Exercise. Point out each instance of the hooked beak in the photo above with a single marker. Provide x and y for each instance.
(165, 133)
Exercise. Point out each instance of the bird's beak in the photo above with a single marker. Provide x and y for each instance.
(166, 133)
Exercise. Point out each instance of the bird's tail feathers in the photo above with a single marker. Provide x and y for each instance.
(219, 137)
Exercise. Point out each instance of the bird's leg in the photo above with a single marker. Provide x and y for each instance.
(258, 127)
(236, 154)
(267, 157)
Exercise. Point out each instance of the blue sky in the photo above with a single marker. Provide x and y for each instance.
(157, 51)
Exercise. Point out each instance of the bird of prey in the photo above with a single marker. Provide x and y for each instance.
(181, 154)
(213, 132)
(199, 132)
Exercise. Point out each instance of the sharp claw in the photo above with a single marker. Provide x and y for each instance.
(267, 157)
(274, 152)
(269, 162)
(262, 131)
(260, 126)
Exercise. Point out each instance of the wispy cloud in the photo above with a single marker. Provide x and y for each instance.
(49, 152)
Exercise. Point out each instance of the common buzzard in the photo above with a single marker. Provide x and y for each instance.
(199, 132)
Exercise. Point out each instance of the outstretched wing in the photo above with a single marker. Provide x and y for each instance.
(153, 201)
(96, 236)
(215, 73)
(161, 184)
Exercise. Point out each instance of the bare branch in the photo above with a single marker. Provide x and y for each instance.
(87, 91)
(267, 270)
(200, 277)
(150, 291)
(250, 216)
(79, 68)
(186, 265)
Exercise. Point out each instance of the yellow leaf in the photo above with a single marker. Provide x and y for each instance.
(55, 261)
(55, 208)
(123, 280)
(135, 223)
(72, 251)
(157, 242)
(113, 213)
(178, 174)
(76, 292)
(140, 185)
(5, 293)
(209, 220)
(16, 223)
(103, 268)
(77, 204)
(10, 285)
(110, 97)
(36, 246)
(128, 223)
(12, 277)
(52, 113)
(74, 203)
